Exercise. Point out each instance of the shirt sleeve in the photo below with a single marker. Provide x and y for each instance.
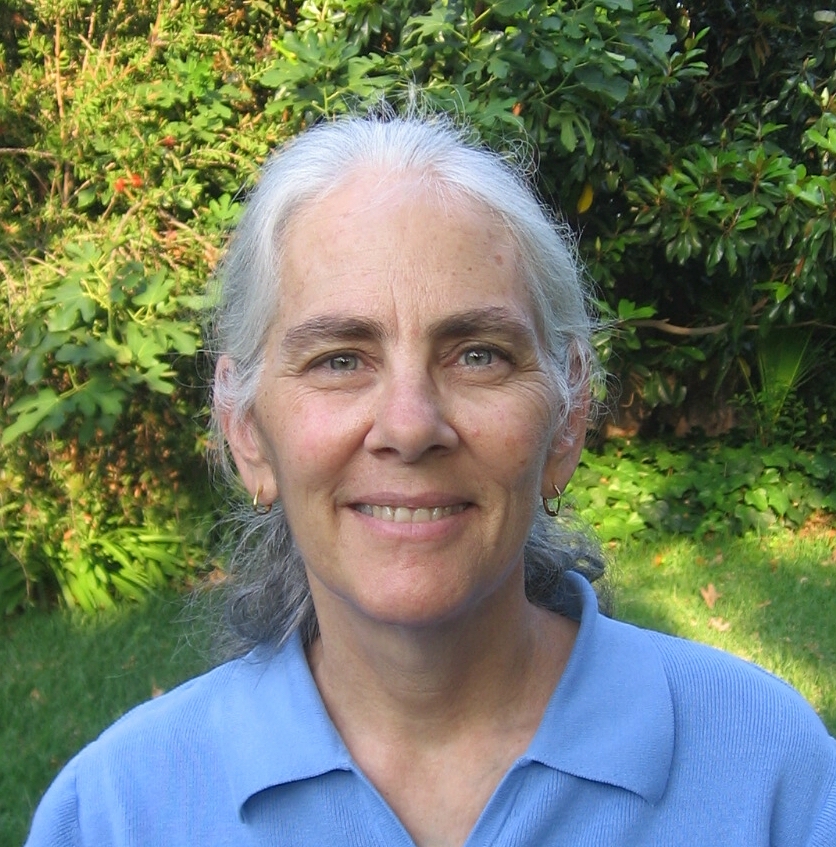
(55, 823)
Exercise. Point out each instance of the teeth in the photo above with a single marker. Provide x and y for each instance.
(403, 514)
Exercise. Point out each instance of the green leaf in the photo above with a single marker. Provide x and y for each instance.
(276, 76)
(547, 58)
(68, 304)
(155, 291)
(778, 500)
(758, 498)
(627, 310)
(145, 347)
(509, 8)
(498, 67)
(31, 412)
(86, 197)
(102, 393)
(157, 378)
(592, 78)
(567, 135)
(178, 337)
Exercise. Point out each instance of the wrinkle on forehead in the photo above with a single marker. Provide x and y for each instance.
(368, 192)
(388, 226)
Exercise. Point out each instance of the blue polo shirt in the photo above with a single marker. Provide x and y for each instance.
(647, 740)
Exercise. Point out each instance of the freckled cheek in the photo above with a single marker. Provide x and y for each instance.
(319, 442)
(521, 434)
(508, 454)
(526, 454)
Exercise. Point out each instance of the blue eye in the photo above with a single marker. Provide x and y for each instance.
(343, 362)
(478, 357)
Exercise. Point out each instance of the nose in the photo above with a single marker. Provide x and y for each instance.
(410, 419)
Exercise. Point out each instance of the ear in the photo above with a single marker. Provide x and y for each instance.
(244, 440)
(565, 452)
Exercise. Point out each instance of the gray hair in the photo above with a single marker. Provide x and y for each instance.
(267, 593)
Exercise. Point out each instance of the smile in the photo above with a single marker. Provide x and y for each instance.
(403, 514)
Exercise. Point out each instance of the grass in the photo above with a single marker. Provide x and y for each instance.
(63, 679)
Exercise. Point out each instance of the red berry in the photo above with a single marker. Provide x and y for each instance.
(136, 180)
(119, 185)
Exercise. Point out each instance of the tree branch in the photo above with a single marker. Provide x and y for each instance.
(672, 329)
(663, 325)
(28, 151)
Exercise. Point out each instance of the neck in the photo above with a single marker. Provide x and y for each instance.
(435, 715)
(429, 683)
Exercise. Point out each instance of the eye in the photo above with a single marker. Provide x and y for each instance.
(342, 362)
(479, 357)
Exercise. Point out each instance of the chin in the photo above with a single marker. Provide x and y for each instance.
(442, 607)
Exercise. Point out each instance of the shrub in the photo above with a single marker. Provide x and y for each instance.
(685, 145)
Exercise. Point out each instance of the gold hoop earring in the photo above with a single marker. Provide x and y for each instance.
(259, 508)
(553, 511)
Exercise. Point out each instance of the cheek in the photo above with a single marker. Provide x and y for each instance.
(318, 439)
(516, 440)
(513, 458)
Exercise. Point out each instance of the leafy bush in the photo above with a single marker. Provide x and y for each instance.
(689, 145)
(120, 161)
(645, 489)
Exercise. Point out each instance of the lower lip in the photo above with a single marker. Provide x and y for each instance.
(421, 531)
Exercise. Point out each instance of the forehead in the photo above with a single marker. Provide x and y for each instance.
(397, 242)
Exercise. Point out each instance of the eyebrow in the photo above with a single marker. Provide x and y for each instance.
(490, 320)
(328, 328)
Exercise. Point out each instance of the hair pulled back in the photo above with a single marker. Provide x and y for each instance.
(267, 593)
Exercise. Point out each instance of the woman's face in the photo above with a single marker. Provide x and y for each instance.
(404, 417)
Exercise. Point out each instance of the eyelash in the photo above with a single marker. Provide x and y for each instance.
(493, 352)
(329, 362)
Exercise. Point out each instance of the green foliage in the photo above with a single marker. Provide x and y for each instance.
(126, 136)
(688, 145)
(784, 364)
(643, 490)
(92, 523)
(740, 207)
(109, 328)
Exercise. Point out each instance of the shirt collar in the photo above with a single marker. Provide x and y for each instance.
(610, 718)
(272, 723)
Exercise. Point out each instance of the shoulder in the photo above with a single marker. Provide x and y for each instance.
(744, 743)
(184, 709)
(705, 695)
(747, 727)
(717, 695)
(714, 683)
(179, 769)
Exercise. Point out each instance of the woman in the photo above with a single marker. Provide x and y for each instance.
(402, 383)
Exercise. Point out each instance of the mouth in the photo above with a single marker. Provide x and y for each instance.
(404, 514)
